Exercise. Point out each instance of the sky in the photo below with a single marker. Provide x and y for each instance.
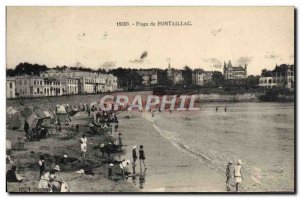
(261, 37)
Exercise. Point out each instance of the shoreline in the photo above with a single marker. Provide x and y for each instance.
(168, 169)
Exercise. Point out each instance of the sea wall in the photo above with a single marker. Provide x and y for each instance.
(246, 97)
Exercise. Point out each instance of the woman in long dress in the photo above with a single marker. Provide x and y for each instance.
(238, 174)
(83, 145)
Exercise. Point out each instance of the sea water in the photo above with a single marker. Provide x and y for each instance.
(260, 134)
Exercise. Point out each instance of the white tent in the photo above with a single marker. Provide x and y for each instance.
(61, 114)
(13, 118)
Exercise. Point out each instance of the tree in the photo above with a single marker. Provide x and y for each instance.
(187, 75)
(217, 78)
(27, 68)
(266, 73)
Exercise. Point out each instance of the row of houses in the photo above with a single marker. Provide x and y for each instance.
(282, 76)
(60, 82)
(154, 77)
(199, 76)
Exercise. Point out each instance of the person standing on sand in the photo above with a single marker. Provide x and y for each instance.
(77, 127)
(42, 165)
(83, 145)
(134, 155)
(238, 174)
(110, 171)
(142, 156)
(229, 174)
(120, 140)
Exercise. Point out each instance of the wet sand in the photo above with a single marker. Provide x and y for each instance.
(168, 168)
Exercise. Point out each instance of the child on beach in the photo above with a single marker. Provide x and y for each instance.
(238, 174)
(83, 145)
(142, 156)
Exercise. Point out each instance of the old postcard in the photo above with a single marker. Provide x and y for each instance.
(150, 99)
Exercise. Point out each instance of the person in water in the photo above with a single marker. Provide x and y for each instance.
(142, 156)
(238, 174)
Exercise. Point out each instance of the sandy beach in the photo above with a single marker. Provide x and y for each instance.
(58, 145)
(168, 168)
(185, 151)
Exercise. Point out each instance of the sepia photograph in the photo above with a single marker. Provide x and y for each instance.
(150, 99)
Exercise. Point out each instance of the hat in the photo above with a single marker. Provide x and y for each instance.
(239, 162)
(65, 156)
(230, 162)
(111, 164)
(102, 145)
(56, 168)
(134, 147)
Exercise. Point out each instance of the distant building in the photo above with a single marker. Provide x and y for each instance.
(10, 88)
(200, 77)
(53, 87)
(83, 82)
(29, 86)
(71, 85)
(281, 76)
(112, 83)
(175, 75)
(234, 73)
(151, 77)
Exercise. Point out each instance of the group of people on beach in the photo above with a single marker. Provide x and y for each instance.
(142, 157)
(234, 172)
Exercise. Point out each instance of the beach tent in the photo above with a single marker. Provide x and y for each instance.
(47, 120)
(32, 121)
(73, 110)
(13, 118)
(37, 123)
(61, 114)
(8, 110)
(8, 144)
(81, 107)
(26, 112)
(67, 107)
(38, 117)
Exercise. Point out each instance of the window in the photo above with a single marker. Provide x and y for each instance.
(10, 85)
(270, 81)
